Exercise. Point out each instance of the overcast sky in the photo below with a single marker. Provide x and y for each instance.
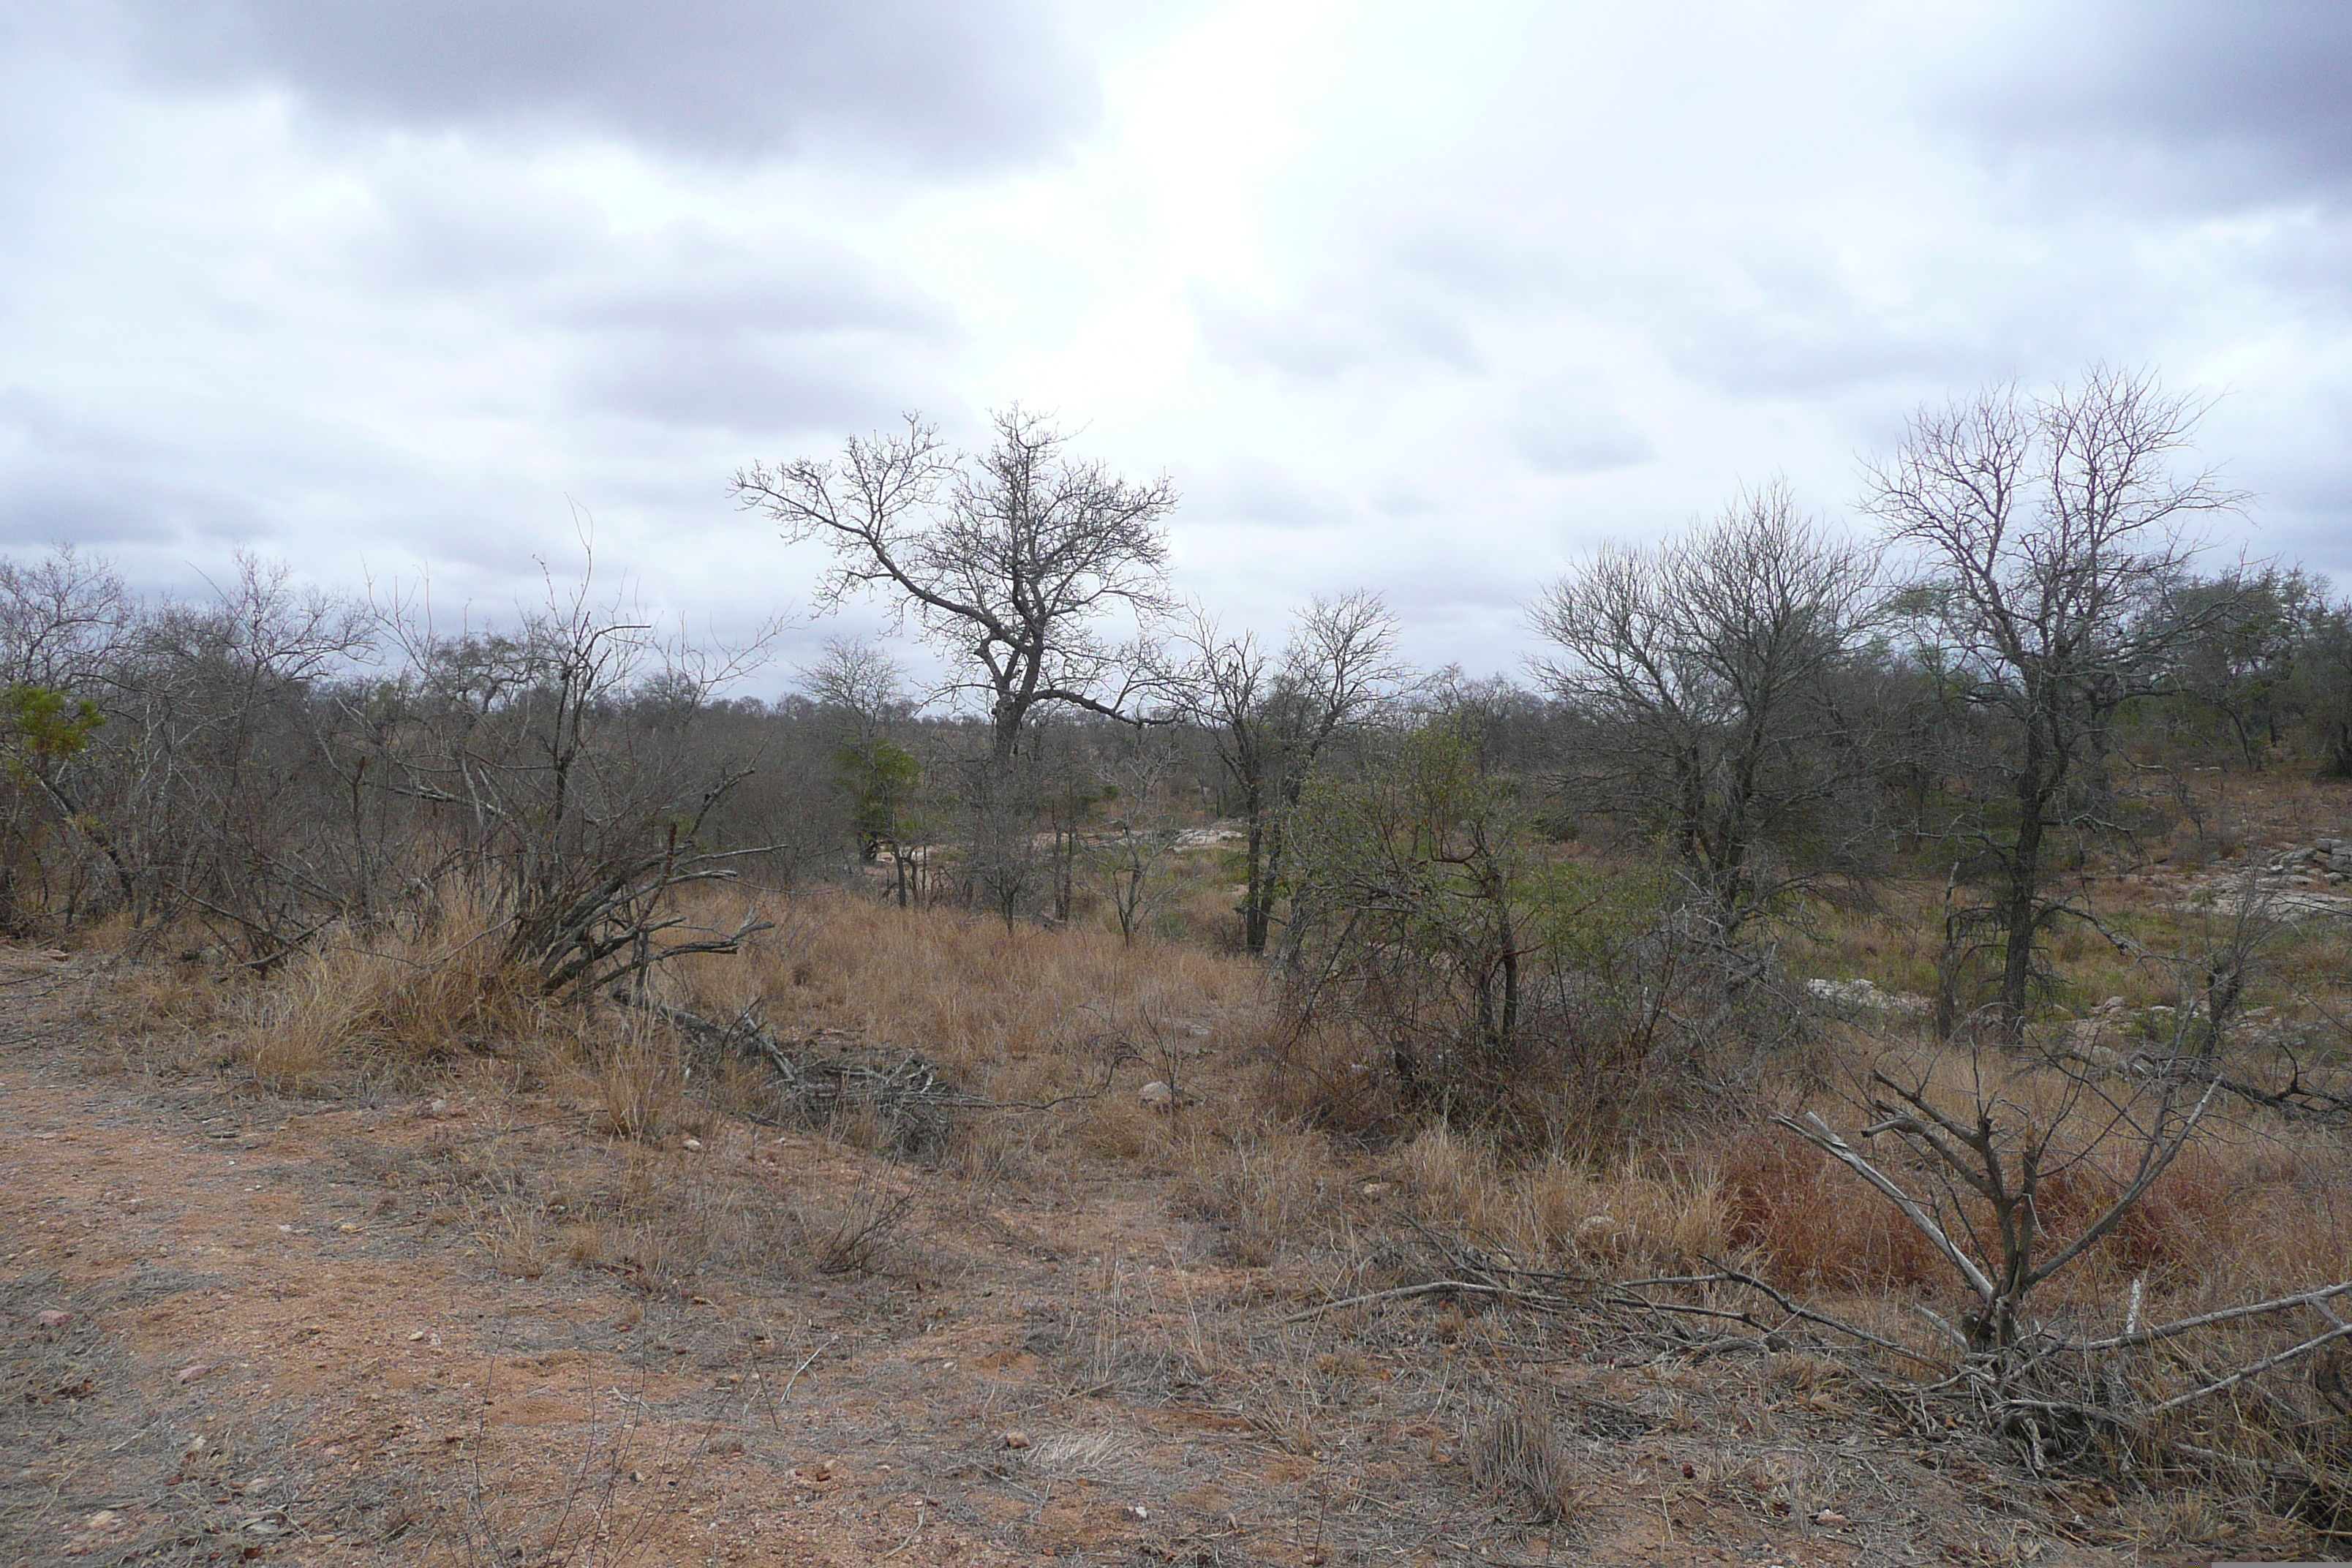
(1424, 297)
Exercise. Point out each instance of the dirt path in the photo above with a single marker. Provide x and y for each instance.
(237, 1328)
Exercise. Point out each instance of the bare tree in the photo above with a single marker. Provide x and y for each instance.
(860, 693)
(857, 685)
(1007, 558)
(1718, 676)
(552, 773)
(1274, 716)
(1135, 856)
(2052, 530)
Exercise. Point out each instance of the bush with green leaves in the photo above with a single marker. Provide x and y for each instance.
(1488, 977)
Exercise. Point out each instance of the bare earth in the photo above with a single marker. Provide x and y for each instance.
(296, 1334)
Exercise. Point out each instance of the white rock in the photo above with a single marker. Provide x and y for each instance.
(1158, 1095)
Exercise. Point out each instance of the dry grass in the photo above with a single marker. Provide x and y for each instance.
(1001, 1009)
(1638, 1214)
(1517, 1453)
(389, 1006)
(1061, 1028)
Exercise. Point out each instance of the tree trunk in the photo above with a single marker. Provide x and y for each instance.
(1253, 922)
(2021, 906)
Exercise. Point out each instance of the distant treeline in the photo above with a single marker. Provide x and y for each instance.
(2032, 657)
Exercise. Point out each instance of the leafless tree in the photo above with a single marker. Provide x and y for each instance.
(60, 618)
(1720, 676)
(1274, 715)
(1134, 856)
(552, 765)
(859, 685)
(2053, 530)
(1007, 558)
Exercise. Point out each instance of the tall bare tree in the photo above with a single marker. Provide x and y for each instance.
(1274, 715)
(2052, 530)
(1006, 559)
(1715, 673)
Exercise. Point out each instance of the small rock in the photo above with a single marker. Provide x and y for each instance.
(1829, 1519)
(348, 1228)
(191, 1374)
(1376, 1189)
(440, 1106)
(1137, 1512)
(55, 1320)
(1157, 1095)
(693, 1146)
(1594, 1227)
(417, 1336)
(56, 955)
(103, 1518)
(1016, 1439)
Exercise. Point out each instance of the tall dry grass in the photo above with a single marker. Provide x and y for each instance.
(389, 1005)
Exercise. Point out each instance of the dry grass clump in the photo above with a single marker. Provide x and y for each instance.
(1519, 1454)
(1271, 1190)
(680, 1221)
(988, 1004)
(1814, 1226)
(388, 1004)
(1562, 1211)
(644, 1080)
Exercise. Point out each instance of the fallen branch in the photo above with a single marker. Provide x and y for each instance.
(1434, 1287)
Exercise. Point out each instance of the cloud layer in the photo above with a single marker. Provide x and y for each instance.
(1421, 298)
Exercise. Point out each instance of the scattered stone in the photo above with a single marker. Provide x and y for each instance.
(417, 1336)
(693, 1146)
(1016, 1439)
(1858, 995)
(1158, 1095)
(54, 1319)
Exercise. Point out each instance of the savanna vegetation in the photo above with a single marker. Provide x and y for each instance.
(1909, 953)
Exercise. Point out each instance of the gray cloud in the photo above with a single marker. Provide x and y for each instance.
(69, 477)
(2222, 105)
(750, 295)
(949, 85)
(759, 345)
(1570, 426)
(748, 386)
(1254, 491)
